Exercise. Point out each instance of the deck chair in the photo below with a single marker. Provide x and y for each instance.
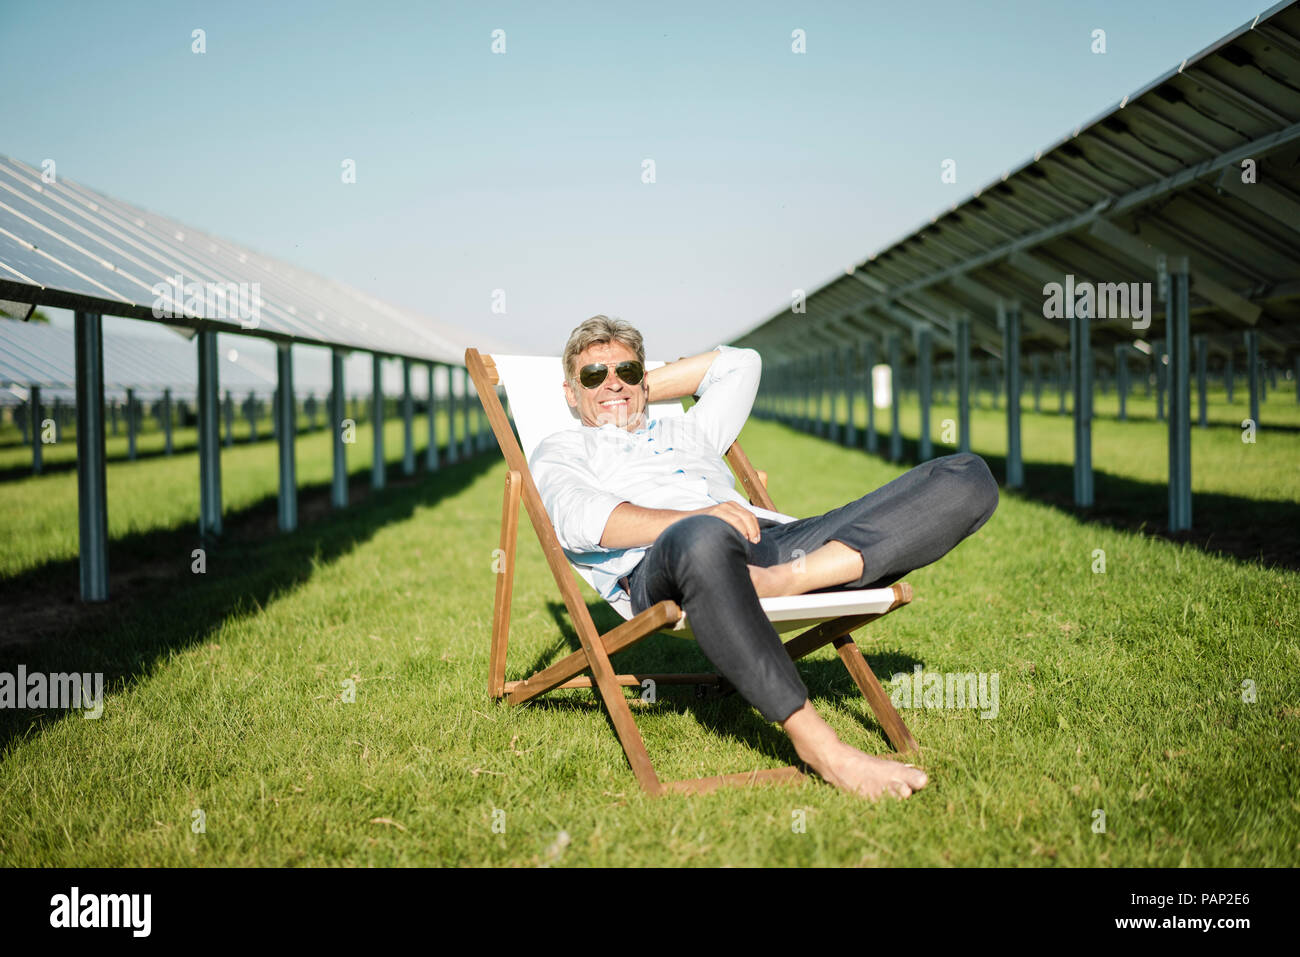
(531, 384)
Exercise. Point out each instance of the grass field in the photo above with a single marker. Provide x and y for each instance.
(1119, 692)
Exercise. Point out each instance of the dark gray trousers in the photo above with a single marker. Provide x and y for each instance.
(701, 562)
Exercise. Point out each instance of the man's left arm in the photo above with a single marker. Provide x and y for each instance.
(676, 380)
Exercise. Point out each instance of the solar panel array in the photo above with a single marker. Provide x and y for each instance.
(1160, 173)
(44, 355)
(65, 245)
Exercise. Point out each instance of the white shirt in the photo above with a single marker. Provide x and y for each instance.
(584, 473)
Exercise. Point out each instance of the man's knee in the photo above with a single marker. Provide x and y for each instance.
(973, 481)
(702, 542)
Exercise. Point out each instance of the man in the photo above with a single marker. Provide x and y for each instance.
(651, 507)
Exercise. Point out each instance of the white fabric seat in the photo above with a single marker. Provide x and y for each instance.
(533, 387)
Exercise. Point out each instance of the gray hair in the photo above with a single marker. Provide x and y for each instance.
(595, 330)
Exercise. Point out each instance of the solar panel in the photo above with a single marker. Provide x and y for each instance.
(23, 214)
(63, 244)
(35, 355)
(25, 263)
(44, 355)
(1160, 173)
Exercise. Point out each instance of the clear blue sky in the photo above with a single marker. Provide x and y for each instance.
(522, 171)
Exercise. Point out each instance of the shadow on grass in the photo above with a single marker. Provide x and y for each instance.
(1248, 529)
(158, 605)
(181, 446)
(726, 714)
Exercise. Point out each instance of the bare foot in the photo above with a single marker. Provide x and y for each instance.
(868, 776)
(845, 766)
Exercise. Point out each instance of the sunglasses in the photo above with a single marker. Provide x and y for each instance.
(593, 375)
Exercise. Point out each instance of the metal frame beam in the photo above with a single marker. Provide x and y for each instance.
(34, 410)
(338, 423)
(988, 298)
(167, 421)
(1081, 385)
(1147, 255)
(1180, 437)
(924, 362)
(378, 467)
(895, 396)
(92, 489)
(1009, 320)
(287, 416)
(963, 359)
(132, 424)
(1160, 353)
(209, 444)
(1252, 374)
(408, 421)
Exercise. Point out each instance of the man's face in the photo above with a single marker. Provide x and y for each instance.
(613, 401)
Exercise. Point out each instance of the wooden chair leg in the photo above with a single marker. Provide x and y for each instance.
(629, 736)
(505, 585)
(881, 706)
(611, 692)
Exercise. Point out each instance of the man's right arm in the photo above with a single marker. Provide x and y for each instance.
(588, 519)
(632, 526)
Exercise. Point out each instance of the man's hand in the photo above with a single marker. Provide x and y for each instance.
(737, 516)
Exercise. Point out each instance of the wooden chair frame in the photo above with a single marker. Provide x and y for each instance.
(597, 648)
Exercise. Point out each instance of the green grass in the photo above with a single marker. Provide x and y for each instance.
(1136, 448)
(159, 492)
(1119, 691)
(1244, 493)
